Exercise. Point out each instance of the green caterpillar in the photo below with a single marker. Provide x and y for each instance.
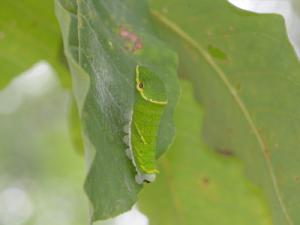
(150, 100)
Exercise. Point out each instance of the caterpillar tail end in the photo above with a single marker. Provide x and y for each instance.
(145, 178)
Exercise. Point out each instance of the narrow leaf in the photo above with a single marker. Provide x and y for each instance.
(104, 41)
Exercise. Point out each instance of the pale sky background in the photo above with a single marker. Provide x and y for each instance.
(286, 8)
(15, 204)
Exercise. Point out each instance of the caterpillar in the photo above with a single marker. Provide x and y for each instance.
(150, 100)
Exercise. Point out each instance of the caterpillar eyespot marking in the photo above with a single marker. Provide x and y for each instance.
(150, 100)
(141, 85)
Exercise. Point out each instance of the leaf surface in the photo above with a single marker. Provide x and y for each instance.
(29, 33)
(104, 41)
(247, 76)
(198, 186)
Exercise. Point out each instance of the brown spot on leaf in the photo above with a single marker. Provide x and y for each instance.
(132, 41)
(205, 182)
(296, 178)
(225, 152)
(266, 153)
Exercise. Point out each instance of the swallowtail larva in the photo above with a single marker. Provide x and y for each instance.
(150, 100)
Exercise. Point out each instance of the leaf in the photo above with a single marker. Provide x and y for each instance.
(29, 33)
(197, 186)
(102, 60)
(37, 163)
(250, 94)
(75, 128)
(296, 4)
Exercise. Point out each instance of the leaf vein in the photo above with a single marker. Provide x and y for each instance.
(263, 146)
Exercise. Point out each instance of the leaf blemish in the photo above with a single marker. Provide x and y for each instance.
(225, 152)
(132, 41)
(216, 53)
(205, 182)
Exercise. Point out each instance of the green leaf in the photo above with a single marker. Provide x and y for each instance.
(29, 33)
(75, 128)
(36, 155)
(102, 62)
(250, 94)
(197, 186)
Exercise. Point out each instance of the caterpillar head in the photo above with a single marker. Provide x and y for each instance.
(150, 86)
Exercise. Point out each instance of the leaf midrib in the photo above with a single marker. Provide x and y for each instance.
(263, 146)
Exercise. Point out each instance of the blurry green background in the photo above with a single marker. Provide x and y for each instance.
(41, 175)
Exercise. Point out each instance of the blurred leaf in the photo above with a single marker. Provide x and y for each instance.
(296, 4)
(250, 94)
(29, 33)
(197, 186)
(102, 62)
(36, 155)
